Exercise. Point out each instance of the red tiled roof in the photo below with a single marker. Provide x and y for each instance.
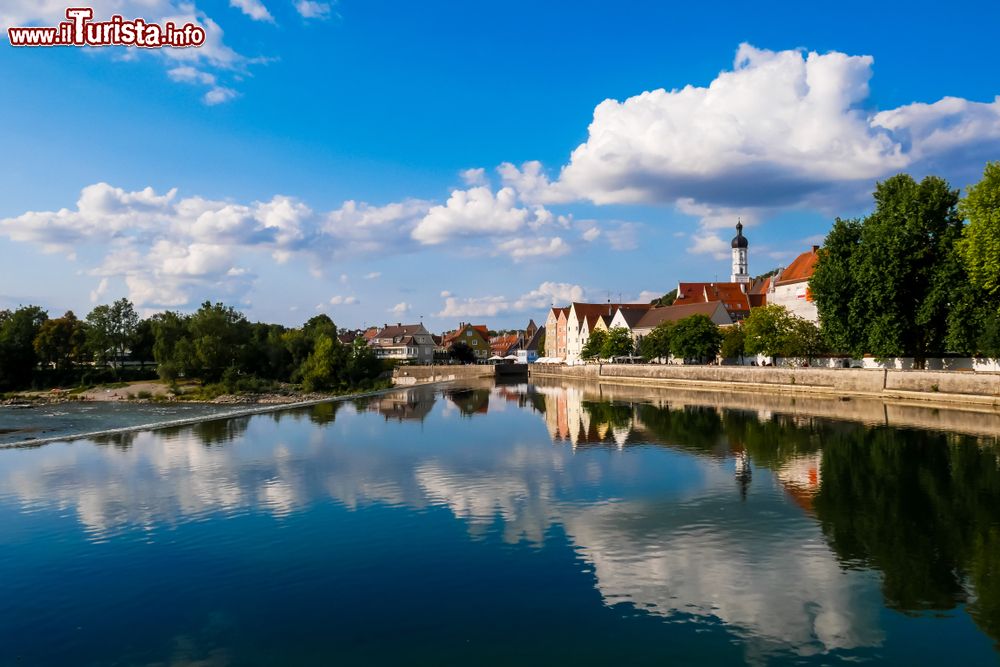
(800, 269)
(589, 312)
(730, 294)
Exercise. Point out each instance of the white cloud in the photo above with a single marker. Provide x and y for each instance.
(520, 249)
(780, 129)
(474, 177)
(624, 236)
(475, 212)
(445, 294)
(490, 306)
(310, 9)
(401, 308)
(709, 243)
(343, 300)
(645, 296)
(97, 294)
(188, 74)
(360, 229)
(344, 278)
(255, 9)
(218, 95)
(374, 275)
(591, 234)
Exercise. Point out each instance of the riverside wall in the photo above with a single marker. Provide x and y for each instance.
(405, 376)
(937, 386)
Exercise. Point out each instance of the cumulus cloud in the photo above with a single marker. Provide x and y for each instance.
(401, 308)
(255, 9)
(520, 249)
(360, 229)
(311, 9)
(219, 95)
(474, 177)
(476, 212)
(343, 300)
(374, 275)
(780, 129)
(542, 297)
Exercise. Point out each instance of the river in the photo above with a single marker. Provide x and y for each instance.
(497, 525)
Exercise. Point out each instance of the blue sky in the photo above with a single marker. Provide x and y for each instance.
(323, 157)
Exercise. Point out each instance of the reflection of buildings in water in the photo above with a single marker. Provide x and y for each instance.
(402, 406)
(743, 472)
(801, 478)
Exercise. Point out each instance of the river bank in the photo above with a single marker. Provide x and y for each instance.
(32, 425)
(945, 387)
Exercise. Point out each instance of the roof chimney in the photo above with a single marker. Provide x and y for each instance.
(399, 324)
(815, 248)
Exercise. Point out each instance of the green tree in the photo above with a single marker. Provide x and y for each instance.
(110, 331)
(143, 342)
(887, 286)
(322, 371)
(595, 344)
(617, 343)
(804, 339)
(60, 341)
(767, 330)
(695, 337)
(733, 342)
(218, 334)
(834, 287)
(980, 243)
(18, 330)
(462, 353)
(656, 344)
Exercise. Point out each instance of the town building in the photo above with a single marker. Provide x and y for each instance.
(411, 343)
(790, 286)
(713, 310)
(532, 348)
(584, 318)
(477, 337)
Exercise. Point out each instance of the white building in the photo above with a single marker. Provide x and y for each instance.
(404, 342)
(790, 287)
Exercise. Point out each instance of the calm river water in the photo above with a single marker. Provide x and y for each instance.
(512, 525)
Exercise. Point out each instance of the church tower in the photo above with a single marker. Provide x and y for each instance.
(740, 266)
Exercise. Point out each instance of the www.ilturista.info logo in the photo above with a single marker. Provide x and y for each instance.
(79, 30)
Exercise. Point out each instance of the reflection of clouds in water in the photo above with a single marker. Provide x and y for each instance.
(785, 590)
(772, 578)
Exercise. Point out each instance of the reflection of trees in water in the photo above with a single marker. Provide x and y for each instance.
(924, 508)
(213, 432)
(122, 441)
(470, 401)
(921, 507)
(324, 413)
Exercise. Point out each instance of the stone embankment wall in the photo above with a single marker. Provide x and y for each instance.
(947, 386)
(410, 375)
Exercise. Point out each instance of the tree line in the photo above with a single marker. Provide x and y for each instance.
(215, 344)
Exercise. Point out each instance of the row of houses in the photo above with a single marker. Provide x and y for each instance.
(414, 344)
(725, 303)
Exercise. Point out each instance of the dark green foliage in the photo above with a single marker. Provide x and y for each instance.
(462, 353)
(695, 337)
(733, 342)
(18, 330)
(617, 343)
(884, 285)
(656, 344)
(667, 299)
(594, 346)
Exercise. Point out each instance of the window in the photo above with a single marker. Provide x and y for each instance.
(468, 334)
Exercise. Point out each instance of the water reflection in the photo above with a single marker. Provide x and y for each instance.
(790, 529)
